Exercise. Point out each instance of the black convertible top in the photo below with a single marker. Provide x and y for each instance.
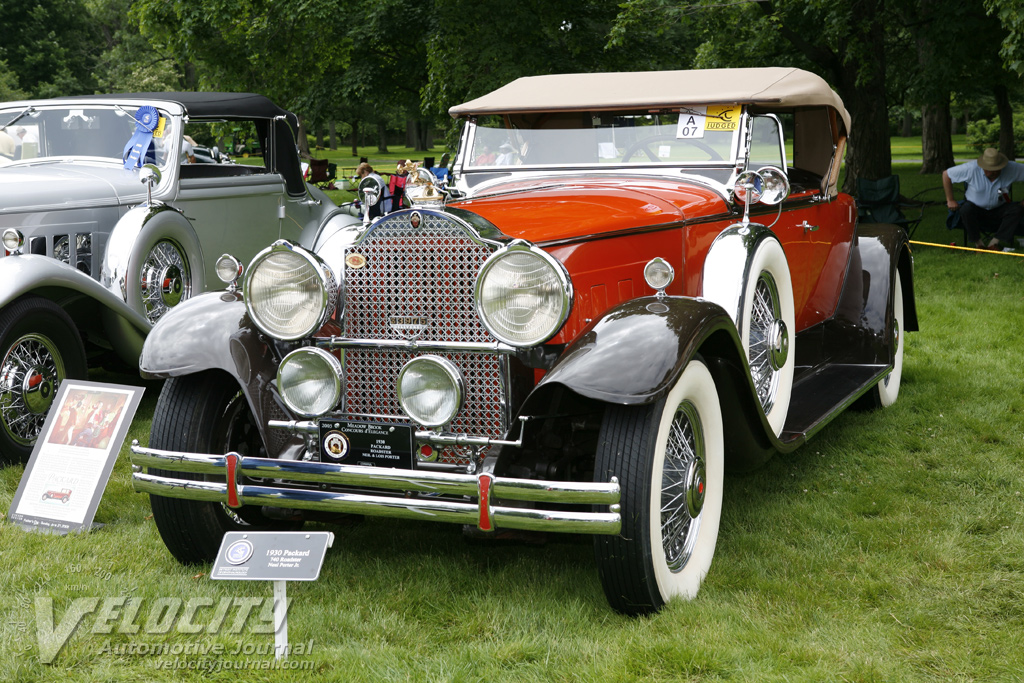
(229, 105)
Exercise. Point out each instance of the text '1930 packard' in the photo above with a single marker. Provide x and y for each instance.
(632, 283)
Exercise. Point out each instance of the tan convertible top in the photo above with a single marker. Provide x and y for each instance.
(775, 87)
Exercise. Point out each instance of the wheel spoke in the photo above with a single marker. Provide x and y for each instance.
(683, 457)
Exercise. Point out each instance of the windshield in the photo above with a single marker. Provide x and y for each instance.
(694, 136)
(80, 132)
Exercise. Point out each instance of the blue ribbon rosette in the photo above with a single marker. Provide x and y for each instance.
(134, 154)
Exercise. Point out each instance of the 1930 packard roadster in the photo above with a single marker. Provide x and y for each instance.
(632, 283)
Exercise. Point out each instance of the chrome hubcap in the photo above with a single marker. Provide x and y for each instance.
(778, 344)
(165, 280)
(29, 376)
(683, 487)
(769, 340)
(171, 286)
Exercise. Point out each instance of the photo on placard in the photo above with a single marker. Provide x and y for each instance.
(70, 464)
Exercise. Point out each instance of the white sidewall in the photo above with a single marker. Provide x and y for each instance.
(696, 386)
(770, 258)
(889, 388)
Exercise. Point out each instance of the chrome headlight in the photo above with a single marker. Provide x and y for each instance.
(289, 292)
(523, 295)
(309, 381)
(431, 390)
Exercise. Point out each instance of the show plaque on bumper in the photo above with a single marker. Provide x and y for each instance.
(487, 501)
(366, 443)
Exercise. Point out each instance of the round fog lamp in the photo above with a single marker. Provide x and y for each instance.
(309, 381)
(13, 240)
(658, 274)
(430, 390)
(229, 269)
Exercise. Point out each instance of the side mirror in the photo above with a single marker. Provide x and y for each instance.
(149, 175)
(748, 188)
(370, 190)
(776, 185)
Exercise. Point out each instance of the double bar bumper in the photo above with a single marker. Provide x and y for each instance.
(413, 493)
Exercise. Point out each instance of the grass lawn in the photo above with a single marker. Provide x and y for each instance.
(889, 548)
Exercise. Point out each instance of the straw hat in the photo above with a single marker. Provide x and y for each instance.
(992, 160)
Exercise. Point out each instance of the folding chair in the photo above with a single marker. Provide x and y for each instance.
(322, 173)
(879, 201)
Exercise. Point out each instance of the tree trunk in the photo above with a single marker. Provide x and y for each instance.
(857, 69)
(319, 136)
(861, 84)
(355, 137)
(333, 135)
(954, 126)
(411, 133)
(303, 141)
(422, 135)
(936, 143)
(1005, 111)
(382, 138)
(908, 125)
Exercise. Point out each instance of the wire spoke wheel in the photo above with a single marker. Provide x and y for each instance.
(165, 279)
(39, 348)
(29, 376)
(669, 459)
(682, 487)
(764, 317)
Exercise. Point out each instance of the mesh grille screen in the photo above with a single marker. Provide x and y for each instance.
(424, 276)
(426, 273)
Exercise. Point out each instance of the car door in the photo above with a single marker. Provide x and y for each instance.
(815, 232)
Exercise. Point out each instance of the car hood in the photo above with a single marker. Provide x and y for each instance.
(50, 186)
(542, 210)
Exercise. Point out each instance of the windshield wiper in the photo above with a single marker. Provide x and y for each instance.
(19, 117)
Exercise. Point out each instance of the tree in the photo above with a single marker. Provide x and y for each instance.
(481, 45)
(50, 46)
(841, 40)
(128, 62)
(1012, 19)
(279, 49)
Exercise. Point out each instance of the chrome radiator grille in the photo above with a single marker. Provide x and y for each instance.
(419, 279)
(426, 273)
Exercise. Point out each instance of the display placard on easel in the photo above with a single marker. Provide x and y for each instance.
(73, 456)
(278, 556)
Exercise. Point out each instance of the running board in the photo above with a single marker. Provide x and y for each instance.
(820, 397)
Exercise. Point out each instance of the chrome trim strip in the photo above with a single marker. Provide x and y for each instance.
(414, 345)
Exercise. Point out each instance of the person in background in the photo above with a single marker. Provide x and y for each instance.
(441, 170)
(987, 206)
(7, 146)
(383, 206)
(188, 155)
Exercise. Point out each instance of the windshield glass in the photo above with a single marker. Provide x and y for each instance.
(694, 136)
(80, 132)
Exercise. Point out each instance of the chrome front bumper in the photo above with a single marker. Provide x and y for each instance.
(419, 488)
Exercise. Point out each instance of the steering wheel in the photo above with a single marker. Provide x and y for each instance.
(642, 145)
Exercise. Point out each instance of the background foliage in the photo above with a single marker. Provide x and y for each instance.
(387, 71)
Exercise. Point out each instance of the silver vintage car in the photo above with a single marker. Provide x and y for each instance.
(90, 260)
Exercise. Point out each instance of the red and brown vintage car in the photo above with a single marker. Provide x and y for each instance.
(632, 283)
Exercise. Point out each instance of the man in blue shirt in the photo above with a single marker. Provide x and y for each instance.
(987, 204)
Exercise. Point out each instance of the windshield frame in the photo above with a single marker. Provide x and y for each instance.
(26, 112)
(469, 140)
